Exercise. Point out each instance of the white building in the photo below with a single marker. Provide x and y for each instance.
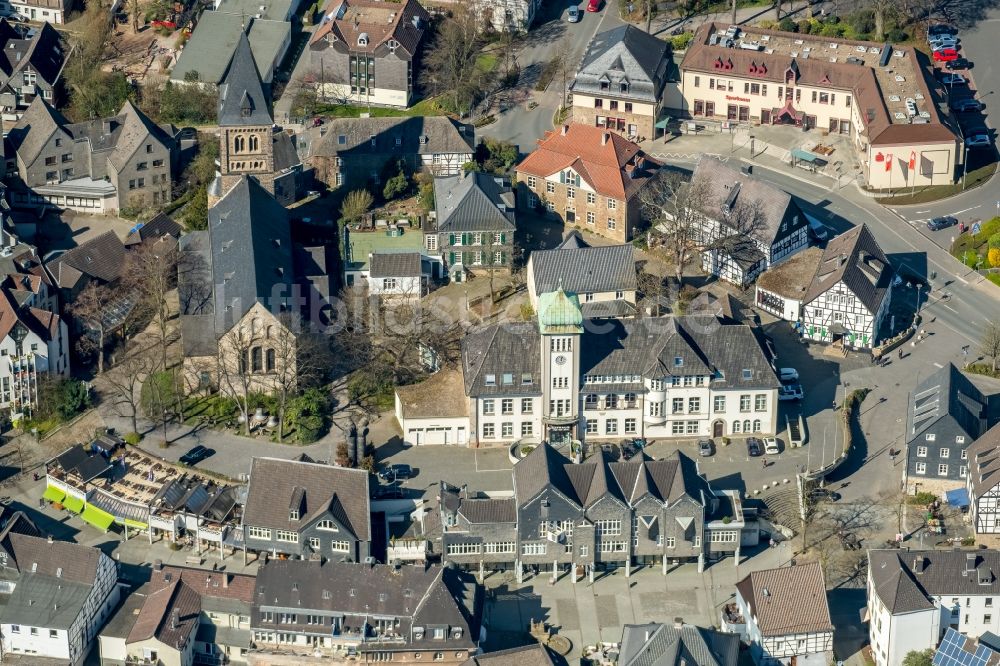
(555, 379)
(434, 411)
(840, 295)
(915, 596)
(34, 341)
(397, 275)
(786, 616)
(57, 595)
(749, 225)
(506, 15)
(983, 483)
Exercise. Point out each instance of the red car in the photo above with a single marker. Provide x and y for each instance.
(945, 55)
(594, 6)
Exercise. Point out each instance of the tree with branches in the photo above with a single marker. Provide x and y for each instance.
(449, 66)
(152, 269)
(989, 343)
(90, 311)
(234, 367)
(301, 357)
(122, 384)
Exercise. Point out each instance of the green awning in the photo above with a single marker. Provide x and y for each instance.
(662, 124)
(74, 504)
(54, 494)
(98, 518)
(134, 524)
(805, 156)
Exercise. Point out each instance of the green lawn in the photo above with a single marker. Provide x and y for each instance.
(425, 107)
(938, 192)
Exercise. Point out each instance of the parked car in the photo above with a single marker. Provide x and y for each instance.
(943, 41)
(818, 231)
(978, 140)
(594, 5)
(945, 55)
(16, 18)
(940, 29)
(960, 63)
(788, 374)
(936, 223)
(965, 105)
(196, 455)
(705, 447)
(388, 492)
(393, 472)
(951, 79)
(755, 447)
(822, 494)
(573, 15)
(790, 392)
(628, 449)
(771, 446)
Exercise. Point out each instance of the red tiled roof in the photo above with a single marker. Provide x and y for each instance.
(238, 587)
(603, 159)
(378, 19)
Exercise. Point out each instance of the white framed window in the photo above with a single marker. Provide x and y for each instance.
(591, 218)
(533, 548)
(550, 187)
(745, 403)
(719, 403)
(921, 451)
(671, 542)
(340, 546)
(963, 471)
(489, 430)
(921, 468)
(960, 439)
(527, 406)
(463, 548)
(630, 426)
(259, 533)
(944, 452)
(489, 406)
(611, 427)
(507, 406)
(506, 429)
(591, 198)
(608, 527)
(314, 543)
(694, 405)
(287, 536)
(591, 426)
(327, 525)
(723, 536)
(760, 402)
(584, 550)
(612, 223)
(965, 454)
(532, 181)
(612, 204)
(930, 437)
(527, 429)
(570, 192)
(942, 470)
(500, 547)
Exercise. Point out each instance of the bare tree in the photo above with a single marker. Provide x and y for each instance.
(152, 269)
(123, 384)
(881, 9)
(301, 357)
(450, 63)
(235, 367)
(675, 208)
(989, 344)
(91, 311)
(133, 8)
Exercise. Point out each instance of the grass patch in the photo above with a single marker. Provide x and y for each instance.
(486, 62)
(970, 248)
(425, 107)
(985, 369)
(994, 278)
(545, 78)
(938, 192)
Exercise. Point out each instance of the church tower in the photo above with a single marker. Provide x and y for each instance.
(245, 124)
(560, 322)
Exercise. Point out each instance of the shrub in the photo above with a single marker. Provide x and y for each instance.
(682, 41)
(994, 256)
(173, 545)
(788, 25)
(994, 240)
(368, 464)
(922, 499)
(72, 397)
(527, 312)
(832, 30)
(132, 438)
(356, 204)
(897, 35)
(396, 186)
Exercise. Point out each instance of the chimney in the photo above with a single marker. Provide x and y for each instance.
(174, 619)
(919, 563)
(678, 622)
(107, 126)
(225, 581)
(970, 562)
(565, 130)
(605, 137)
(157, 565)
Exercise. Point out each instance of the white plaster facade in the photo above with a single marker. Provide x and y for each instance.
(840, 305)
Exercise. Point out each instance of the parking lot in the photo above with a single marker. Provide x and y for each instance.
(970, 83)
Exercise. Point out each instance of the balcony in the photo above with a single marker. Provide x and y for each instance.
(654, 419)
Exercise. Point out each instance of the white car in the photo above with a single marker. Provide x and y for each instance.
(953, 80)
(790, 392)
(978, 141)
(943, 41)
(771, 446)
(788, 374)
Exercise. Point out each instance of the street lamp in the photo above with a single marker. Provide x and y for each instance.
(752, 137)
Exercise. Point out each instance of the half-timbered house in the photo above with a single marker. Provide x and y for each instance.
(984, 482)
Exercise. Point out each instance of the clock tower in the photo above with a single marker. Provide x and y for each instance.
(560, 322)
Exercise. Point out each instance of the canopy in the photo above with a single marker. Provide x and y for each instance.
(805, 156)
(74, 504)
(663, 122)
(134, 524)
(958, 497)
(54, 494)
(100, 519)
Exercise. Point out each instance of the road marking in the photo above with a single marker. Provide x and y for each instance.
(959, 212)
(938, 365)
(922, 211)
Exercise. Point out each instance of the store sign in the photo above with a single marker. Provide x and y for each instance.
(734, 98)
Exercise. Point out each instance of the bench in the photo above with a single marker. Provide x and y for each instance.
(193, 559)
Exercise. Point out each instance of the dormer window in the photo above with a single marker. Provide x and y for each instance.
(363, 39)
(623, 87)
(747, 374)
(678, 361)
(439, 633)
(392, 44)
(293, 514)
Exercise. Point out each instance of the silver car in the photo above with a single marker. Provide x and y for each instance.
(573, 15)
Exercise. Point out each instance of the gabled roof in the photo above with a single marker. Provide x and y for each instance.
(170, 615)
(342, 491)
(793, 276)
(242, 98)
(101, 258)
(732, 188)
(473, 201)
(34, 129)
(251, 250)
(527, 655)
(395, 264)
(495, 350)
(137, 128)
(160, 225)
(984, 462)
(787, 600)
(665, 480)
(489, 511)
(895, 584)
(609, 163)
(420, 135)
(208, 584)
(42, 323)
(624, 54)
(657, 644)
(907, 581)
(374, 22)
(45, 53)
(854, 258)
(543, 467)
(947, 394)
(585, 270)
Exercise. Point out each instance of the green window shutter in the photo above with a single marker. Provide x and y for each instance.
(466, 257)
(465, 239)
(503, 238)
(451, 239)
(451, 258)
(503, 258)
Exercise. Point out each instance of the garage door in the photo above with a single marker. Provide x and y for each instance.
(435, 436)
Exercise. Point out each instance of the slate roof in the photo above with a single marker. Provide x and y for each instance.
(101, 258)
(379, 21)
(624, 54)
(136, 129)
(984, 462)
(787, 600)
(489, 510)
(418, 135)
(666, 480)
(947, 393)
(170, 615)
(251, 250)
(160, 225)
(211, 47)
(526, 655)
(854, 258)
(607, 309)
(242, 98)
(473, 202)
(906, 581)
(574, 240)
(395, 264)
(418, 596)
(587, 270)
(509, 348)
(609, 163)
(195, 290)
(45, 53)
(792, 277)
(342, 491)
(657, 644)
(34, 128)
(732, 187)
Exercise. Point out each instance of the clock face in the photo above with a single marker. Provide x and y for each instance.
(560, 360)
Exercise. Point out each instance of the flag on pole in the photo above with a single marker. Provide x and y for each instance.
(913, 160)
(888, 162)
